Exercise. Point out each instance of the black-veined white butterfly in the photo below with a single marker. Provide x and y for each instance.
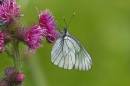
(68, 53)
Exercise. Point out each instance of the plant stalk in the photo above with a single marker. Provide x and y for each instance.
(17, 58)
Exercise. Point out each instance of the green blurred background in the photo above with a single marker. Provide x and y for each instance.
(103, 27)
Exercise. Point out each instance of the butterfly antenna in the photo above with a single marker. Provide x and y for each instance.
(72, 16)
(65, 22)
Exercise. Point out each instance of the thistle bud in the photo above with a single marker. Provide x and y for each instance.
(19, 77)
(9, 71)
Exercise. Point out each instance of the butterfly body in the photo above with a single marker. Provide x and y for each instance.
(68, 53)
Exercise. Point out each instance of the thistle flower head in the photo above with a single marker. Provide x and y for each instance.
(52, 36)
(2, 41)
(33, 36)
(9, 10)
(47, 21)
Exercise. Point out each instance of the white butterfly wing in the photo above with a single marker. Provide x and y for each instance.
(83, 60)
(67, 53)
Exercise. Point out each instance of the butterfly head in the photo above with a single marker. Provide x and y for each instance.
(65, 32)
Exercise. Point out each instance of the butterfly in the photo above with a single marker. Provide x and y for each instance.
(68, 53)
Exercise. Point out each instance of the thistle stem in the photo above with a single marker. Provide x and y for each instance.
(17, 58)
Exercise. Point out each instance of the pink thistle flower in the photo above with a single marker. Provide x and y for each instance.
(52, 36)
(47, 21)
(2, 41)
(34, 36)
(9, 10)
